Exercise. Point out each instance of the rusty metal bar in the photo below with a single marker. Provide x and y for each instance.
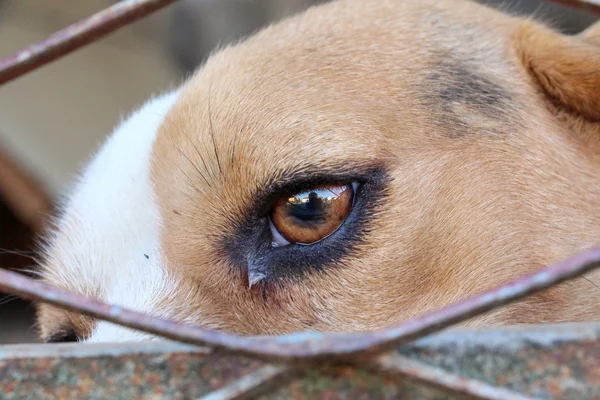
(544, 362)
(307, 346)
(76, 36)
(253, 384)
(437, 377)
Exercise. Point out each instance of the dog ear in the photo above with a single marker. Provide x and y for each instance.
(567, 68)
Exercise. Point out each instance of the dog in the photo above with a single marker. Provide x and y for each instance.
(348, 168)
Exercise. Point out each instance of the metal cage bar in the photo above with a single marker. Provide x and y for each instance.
(76, 36)
(306, 347)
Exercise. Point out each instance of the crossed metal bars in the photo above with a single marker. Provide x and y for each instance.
(296, 355)
(299, 351)
(546, 361)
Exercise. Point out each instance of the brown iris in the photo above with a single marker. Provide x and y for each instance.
(309, 216)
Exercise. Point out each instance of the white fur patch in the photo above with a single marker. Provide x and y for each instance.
(107, 242)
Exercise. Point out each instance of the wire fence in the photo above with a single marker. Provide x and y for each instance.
(554, 361)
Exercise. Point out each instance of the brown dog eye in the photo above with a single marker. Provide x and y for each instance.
(312, 215)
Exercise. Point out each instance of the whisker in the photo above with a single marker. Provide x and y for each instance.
(34, 272)
(201, 158)
(8, 299)
(212, 132)
(195, 167)
(21, 253)
(583, 277)
(179, 126)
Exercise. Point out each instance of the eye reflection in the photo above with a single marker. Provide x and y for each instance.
(309, 216)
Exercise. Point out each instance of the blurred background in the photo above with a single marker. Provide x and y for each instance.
(52, 119)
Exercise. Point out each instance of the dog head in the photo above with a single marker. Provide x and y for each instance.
(346, 169)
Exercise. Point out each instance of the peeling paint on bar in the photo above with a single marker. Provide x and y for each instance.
(500, 362)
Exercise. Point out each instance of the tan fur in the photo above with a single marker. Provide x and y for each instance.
(567, 68)
(54, 322)
(484, 187)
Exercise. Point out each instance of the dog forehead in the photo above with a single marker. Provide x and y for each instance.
(300, 93)
(232, 118)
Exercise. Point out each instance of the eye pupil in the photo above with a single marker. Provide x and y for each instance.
(309, 216)
(307, 208)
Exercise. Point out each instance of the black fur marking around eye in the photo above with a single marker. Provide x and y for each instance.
(63, 336)
(249, 240)
(464, 101)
